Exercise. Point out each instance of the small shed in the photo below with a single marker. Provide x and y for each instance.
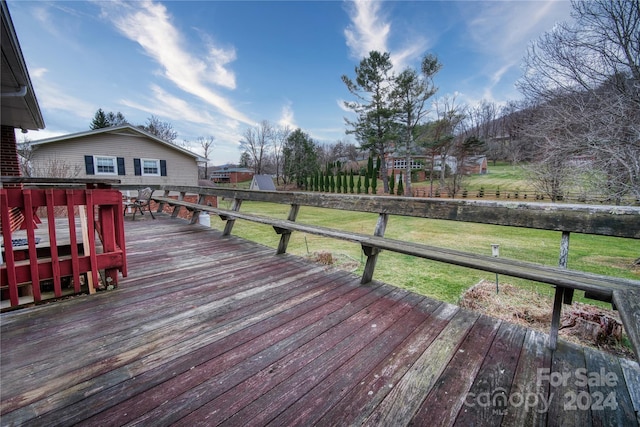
(262, 183)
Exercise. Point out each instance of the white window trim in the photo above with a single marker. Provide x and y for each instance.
(115, 165)
(157, 162)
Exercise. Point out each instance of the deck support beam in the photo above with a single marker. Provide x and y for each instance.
(235, 207)
(285, 234)
(371, 252)
(562, 295)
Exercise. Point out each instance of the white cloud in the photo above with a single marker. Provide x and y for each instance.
(52, 97)
(163, 104)
(503, 30)
(150, 25)
(286, 116)
(369, 31)
(189, 121)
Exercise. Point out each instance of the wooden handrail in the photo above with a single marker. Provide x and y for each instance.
(599, 220)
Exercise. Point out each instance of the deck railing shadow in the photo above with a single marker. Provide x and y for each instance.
(615, 221)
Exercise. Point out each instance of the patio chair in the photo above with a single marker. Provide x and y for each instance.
(141, 202)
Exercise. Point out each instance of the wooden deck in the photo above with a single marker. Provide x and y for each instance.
(209, 330)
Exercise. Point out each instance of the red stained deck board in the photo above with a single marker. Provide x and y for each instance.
(292, 377)
(366, 394)
(289, 354)
(314, 404)
(116, 349)
(218, 358)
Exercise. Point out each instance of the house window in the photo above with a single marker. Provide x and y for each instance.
(105, 165)
(150, 167)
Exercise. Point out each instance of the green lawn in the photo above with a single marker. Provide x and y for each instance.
(597, 254)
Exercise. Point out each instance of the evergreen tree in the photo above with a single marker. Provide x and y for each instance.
(359, 186)
(351, 183)
(400, 186)
(374, 182)
(392, 182)
(99, 120)
(374, 128)
(366, 183)
(300, 157)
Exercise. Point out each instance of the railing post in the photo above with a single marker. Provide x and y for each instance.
(562, 294)
(235, 206)
(196, 213)
(176, 208)
(73, 240)
(161, 204)
(106, 217)
(31, 239)
(371, 252)
(285, 235)
(53, 244)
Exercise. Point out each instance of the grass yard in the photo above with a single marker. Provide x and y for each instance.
(597, 254)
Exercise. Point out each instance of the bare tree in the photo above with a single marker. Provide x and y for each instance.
(163, 130)
(442, 142)
(207, 144)
(257, 141)
(482, 123)
(586, 77)
(280, 136)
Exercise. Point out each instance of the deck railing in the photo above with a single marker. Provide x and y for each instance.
(616, 221)
(67, 249)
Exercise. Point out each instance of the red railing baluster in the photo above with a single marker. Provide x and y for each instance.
(12, 281)
(53, 243)
(31, 239)
(73, 239)
(91, 217)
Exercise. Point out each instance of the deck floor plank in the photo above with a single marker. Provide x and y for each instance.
(534, 394)
(493, 381)
(609, 397)
(564, 386)
(292, 332)
(358, 404)
(443, 403)
(210, 330)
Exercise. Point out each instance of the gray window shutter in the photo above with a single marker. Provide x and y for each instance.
(120, 161)
(163, 167)
(88, 165)
(137, 168)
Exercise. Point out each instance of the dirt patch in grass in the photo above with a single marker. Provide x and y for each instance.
(337, 260)
(580, 323)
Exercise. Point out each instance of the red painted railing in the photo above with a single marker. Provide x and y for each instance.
(24, 267)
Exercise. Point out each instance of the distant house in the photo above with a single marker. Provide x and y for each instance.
(230, 174)
(122, 152)
(475, 165)
(472, 164)
(263, 183)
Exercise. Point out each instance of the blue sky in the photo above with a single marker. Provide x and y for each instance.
(212, 68)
